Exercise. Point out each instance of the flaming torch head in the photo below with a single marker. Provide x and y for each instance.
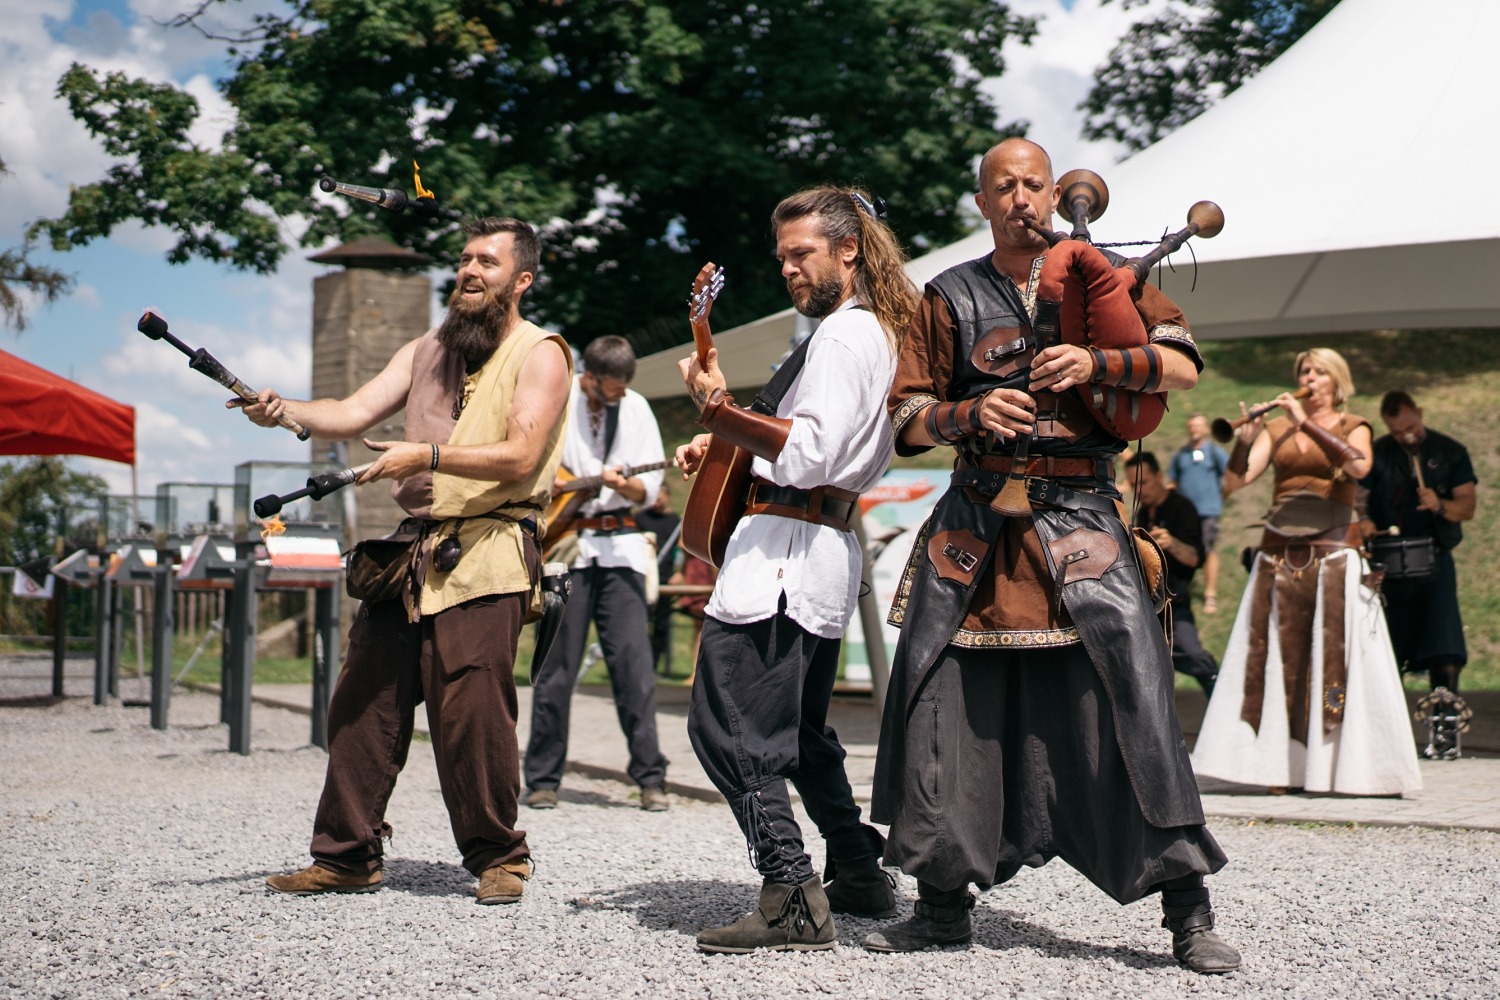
(267, 506)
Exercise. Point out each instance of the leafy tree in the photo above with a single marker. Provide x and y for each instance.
(1172, 67)
(645, 136)
(15, 270)
(40, 498)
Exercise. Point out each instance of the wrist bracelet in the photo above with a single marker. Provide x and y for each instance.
(434, 457)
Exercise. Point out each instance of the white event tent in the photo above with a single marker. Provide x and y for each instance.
(1354, 173)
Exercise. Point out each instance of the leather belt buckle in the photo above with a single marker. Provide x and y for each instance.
(965, 560)
(1044, 491)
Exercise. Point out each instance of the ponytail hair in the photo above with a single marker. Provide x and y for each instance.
(880, 280)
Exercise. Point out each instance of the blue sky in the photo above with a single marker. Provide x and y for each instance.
(260, 327)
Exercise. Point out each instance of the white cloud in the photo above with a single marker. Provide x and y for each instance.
(1045, 81)
(87, 295)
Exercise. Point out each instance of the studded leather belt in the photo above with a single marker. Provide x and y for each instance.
(820, 505)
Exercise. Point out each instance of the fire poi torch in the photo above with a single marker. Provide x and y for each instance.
(390, 199)
(154, 326)
(317, 487)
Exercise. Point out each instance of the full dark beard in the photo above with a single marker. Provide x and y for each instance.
(822, 298)
(474, 331)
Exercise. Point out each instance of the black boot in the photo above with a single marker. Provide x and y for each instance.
(939, 919)
(1187, 913)
(854, 881)
(787, 918)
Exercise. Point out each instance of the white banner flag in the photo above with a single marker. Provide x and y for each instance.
(24, 586)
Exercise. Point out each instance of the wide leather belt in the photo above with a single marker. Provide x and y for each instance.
(607, 523)
(1043, 491)
(1342, 537)
(820, 505)
(1050, 494)
(1049, 467)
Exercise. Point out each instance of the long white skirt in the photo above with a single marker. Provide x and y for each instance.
(1371, 753)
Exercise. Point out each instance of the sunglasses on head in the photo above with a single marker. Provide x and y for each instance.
(874, 206)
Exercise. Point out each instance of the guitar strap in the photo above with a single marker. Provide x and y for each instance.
(769, 398)
(611, 424)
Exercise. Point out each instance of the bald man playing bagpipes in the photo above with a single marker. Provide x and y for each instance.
(1030, 711)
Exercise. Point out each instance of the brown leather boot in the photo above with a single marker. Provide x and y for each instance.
(503, 883)
(787, 918)
(313, 881)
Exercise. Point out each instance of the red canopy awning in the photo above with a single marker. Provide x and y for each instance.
(45, 414)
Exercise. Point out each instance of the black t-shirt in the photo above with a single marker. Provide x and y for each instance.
(1393, 485)
(1177, 514)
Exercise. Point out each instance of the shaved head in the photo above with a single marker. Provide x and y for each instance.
(1007, 147)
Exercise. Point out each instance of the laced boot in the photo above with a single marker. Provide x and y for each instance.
(854, 881)
(787, 918)
(938, 919)
(1190, 918)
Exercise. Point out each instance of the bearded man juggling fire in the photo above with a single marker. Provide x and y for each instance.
(484, 395)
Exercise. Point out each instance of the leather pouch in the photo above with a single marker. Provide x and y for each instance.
(1153, 568)
(377, 569)
(956, 555)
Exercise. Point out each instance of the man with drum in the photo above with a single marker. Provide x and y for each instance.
(1423, 485)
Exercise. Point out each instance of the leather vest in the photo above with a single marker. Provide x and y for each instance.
(995, 344)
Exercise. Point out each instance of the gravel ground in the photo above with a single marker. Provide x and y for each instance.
(135, 862)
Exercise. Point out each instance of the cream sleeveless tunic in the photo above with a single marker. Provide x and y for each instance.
(494, 554)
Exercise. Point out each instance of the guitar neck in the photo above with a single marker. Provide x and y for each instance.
(594, 482)
(703, 338)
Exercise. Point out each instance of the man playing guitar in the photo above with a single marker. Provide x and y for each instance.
(791, 572)
(610, 429)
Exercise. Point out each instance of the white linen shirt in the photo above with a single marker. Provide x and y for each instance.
(637, 442)
(841, 437)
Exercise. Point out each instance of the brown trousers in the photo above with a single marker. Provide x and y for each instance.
(459, 661)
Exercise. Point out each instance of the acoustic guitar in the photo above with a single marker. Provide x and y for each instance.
(568, 500)
(716, 501)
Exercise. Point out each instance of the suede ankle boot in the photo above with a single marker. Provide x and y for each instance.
(938, 919)
(787, 918)
(854, 881)
(1190, 918)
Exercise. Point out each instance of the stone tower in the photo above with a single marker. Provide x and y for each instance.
(362, 315)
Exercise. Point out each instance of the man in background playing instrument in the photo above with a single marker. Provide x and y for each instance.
(1422, 483)
(1030, 713)
(769, 650)
(484, 396)
(611, 429)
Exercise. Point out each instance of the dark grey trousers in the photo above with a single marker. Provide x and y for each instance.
(759, 718)
(1012, 760)
(1188, 655)
(614, 599)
